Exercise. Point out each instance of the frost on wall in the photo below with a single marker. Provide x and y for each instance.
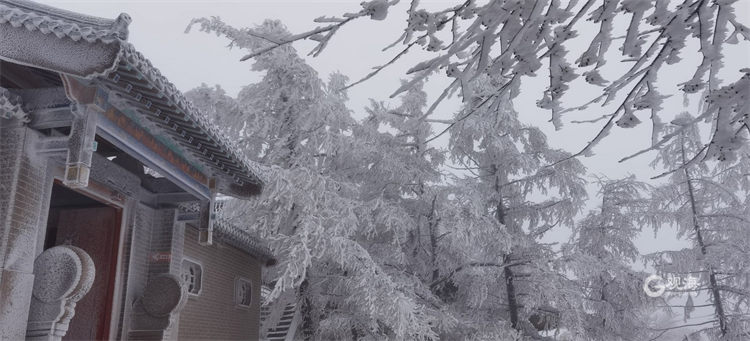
(11, 106)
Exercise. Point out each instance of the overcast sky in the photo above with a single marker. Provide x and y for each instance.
(158, 31)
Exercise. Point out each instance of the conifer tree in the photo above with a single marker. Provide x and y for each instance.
(514, 166)
(600, 256)
(707, 203)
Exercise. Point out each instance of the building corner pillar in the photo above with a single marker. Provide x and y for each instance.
(22, 176)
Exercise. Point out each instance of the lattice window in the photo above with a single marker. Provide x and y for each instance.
(243, 292)
(192, 276)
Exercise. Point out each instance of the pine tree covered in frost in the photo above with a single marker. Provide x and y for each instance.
(708, 204)
(527, 198)
(509, 40)
(600, 255)
(451, 238)
(314, 211)
(370, 239)
(379, 244)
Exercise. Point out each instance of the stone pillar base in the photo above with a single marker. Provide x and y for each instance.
(64, 274)
(15, 291)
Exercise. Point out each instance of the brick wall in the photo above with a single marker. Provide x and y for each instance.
(213, 314)
(163, 240)
(22, 186)
(150, 231)
(135, 271)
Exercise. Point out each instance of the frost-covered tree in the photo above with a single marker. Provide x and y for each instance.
(507, 40)
(452, 241)
(314, 211)
(369, 238)
(600, 255)
(528, 191)
(289, 117)
(708, 204)
(398, 163)
(378, 245)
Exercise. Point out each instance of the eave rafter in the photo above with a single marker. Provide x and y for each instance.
(136, 82)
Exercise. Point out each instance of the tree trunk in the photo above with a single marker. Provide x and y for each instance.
(715, 292)
(511, 291)
(306, 310)
(432, 224)
(510, 288)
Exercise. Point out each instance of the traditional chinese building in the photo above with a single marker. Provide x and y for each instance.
(108, 187)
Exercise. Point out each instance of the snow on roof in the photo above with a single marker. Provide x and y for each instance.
(139, 83)
(244, 241)
(46, 19)
(228, 232)
(133, 78)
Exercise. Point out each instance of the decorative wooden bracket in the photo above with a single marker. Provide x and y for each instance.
(206, 221)
(81, 146)
(207, 216)
(87, 101)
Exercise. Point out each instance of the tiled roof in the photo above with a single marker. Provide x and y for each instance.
(62, 23)
(228, 232)
(134, 79)
(244, 241)
(138, 82)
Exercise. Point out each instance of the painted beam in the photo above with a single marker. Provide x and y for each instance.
(136, 140)
(42, 98)
(51, 118)
(122, 132)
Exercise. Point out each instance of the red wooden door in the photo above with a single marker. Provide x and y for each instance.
(95, 230)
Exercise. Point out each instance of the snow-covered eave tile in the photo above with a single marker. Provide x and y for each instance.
(163, 104)
(230, 233)
(242, 240)
(63, 24)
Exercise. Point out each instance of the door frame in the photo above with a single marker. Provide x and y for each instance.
(122, 204)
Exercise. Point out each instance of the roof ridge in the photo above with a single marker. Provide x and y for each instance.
(64, 23)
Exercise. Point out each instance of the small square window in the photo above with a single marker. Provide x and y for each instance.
(192, 276)
(243, 292)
